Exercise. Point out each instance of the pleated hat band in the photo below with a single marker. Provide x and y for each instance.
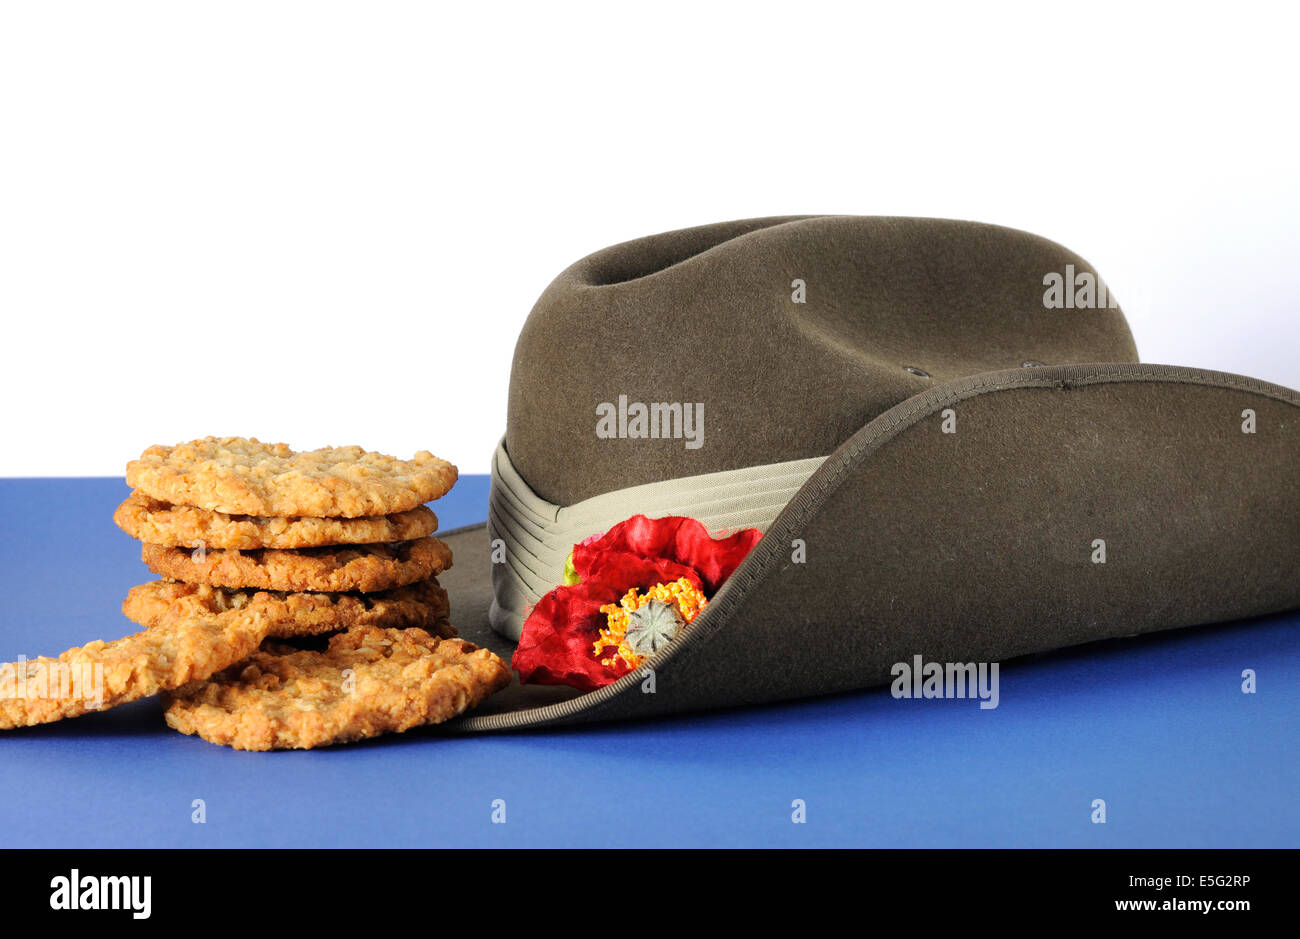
(531, 538)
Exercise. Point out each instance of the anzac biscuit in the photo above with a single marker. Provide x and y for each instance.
(369, 681)
(421, 604)
(101, 675)
(186, 526)
(243, 476)
(365, 568)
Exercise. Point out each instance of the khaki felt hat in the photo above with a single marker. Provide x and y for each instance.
(941, 427)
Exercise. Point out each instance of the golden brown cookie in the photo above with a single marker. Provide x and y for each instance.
(186, 526)
(421, 604)
(101, 675)
(364, 568)
(243, 476)
(369, 681)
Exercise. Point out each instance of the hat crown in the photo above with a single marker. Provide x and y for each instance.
(766, 340)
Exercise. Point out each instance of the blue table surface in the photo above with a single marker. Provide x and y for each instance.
(1158, 727)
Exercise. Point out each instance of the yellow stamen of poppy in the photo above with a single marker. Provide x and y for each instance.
(681, 593)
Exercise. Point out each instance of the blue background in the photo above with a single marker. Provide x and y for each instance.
(1158, 727)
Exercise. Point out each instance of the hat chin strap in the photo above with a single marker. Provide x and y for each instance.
(531, 538)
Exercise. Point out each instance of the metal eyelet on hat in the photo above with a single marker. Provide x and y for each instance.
(919, 372)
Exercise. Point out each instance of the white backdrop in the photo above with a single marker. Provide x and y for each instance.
(325, 222)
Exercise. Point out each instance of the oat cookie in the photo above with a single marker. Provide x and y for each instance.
(101, 675)
(243, 476)
(186, 526)
(421, 604)
(365, 568)
(369, 681)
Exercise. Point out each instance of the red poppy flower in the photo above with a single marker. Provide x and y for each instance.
(556, 647)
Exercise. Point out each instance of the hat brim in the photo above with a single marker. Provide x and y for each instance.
(964, 525)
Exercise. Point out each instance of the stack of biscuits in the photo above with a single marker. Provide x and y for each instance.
(298, 603)
(235, 524)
